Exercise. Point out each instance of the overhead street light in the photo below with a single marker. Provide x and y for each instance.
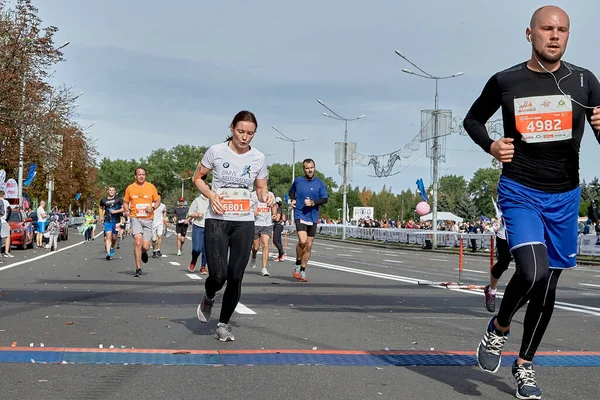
(436, 158)
(338, 117)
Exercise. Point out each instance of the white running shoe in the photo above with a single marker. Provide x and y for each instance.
(264, 272)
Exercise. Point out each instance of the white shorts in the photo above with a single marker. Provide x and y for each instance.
(157, 231)
(5, 230)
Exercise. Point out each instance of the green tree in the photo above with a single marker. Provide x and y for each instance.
(483, 187)
(466, 209)
(451, 189)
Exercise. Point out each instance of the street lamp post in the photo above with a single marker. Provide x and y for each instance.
(436, 157)
(293, 141)
(182, 180)
(336, 116)
(22, 133)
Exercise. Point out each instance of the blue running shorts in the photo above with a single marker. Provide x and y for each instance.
(532, 216)
(111, 227)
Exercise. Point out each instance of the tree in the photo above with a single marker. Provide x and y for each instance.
(365, 196)
(483, 187)
(451, 189)
(466, 209)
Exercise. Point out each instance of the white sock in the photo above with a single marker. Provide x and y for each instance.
(493, 291)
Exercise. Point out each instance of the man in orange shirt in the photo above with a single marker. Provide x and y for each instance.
(139, 202)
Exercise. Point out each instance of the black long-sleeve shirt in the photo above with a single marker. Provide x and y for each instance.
(536, 115)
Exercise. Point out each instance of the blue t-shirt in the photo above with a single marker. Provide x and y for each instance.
(302, 188)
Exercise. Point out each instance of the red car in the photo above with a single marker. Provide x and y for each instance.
(19, 226)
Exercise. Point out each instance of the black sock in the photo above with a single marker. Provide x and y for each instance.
(302, 269)
(298, 262)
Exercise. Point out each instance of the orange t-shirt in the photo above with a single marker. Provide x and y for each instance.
(139, 198)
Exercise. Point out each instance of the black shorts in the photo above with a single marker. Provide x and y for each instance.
(310, 230)
(181, 229)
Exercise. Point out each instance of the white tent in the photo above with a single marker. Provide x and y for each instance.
(442, 216)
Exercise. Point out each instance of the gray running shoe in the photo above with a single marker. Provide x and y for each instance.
(204, 308)
(527, 387)
(490, 299)
(223, 333)
(490, 348)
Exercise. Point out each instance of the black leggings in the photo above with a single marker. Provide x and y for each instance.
(88, 233)
(535, 282)
(221, 237)
(277, 231)
(504, 258)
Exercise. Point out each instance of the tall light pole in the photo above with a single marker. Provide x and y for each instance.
(336, 116)
(22, 133)
(436, 157)
(293, 141)
(182, 180)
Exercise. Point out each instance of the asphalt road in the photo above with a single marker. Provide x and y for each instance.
(361, 328)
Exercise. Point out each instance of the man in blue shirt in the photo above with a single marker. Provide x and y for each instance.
(307, 193)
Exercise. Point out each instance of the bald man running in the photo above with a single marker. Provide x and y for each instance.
(545, 103)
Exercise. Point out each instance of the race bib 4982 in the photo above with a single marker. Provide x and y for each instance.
(542, 119)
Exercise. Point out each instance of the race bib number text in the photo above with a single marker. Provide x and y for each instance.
(544, 118)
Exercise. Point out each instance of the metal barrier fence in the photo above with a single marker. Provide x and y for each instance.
(75, 221)
(587, 244)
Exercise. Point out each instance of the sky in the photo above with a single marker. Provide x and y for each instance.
(158, 74)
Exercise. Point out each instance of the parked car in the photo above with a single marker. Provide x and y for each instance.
(63, 222)
(19, 225)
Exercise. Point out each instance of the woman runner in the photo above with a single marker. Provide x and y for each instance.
(229, 221)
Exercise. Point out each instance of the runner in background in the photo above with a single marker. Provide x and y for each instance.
(159, 226)
(504, 259)
(140, 201)
(308, 192)
(197, 213)
(110, 211)
(181, 223)
(263, 228)
(278, 225)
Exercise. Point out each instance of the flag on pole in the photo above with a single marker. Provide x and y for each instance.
(421, 189)
(30, 175)
(77, 196)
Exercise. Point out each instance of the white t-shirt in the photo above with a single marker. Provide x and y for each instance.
(41, 214)
(158, 215)
(264, 217)
(6, 206)
(199, 205)
(233, 176)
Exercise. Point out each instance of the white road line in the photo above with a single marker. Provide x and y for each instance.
(328, 248)
(400, 253)
(394, 261)
(439, 260)
(194, 276)
(355, 251)
(174, 263)
(590, 285)
(242, 309)
(560, 305)
(472, 270)
(51, 253)
(345, 255)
